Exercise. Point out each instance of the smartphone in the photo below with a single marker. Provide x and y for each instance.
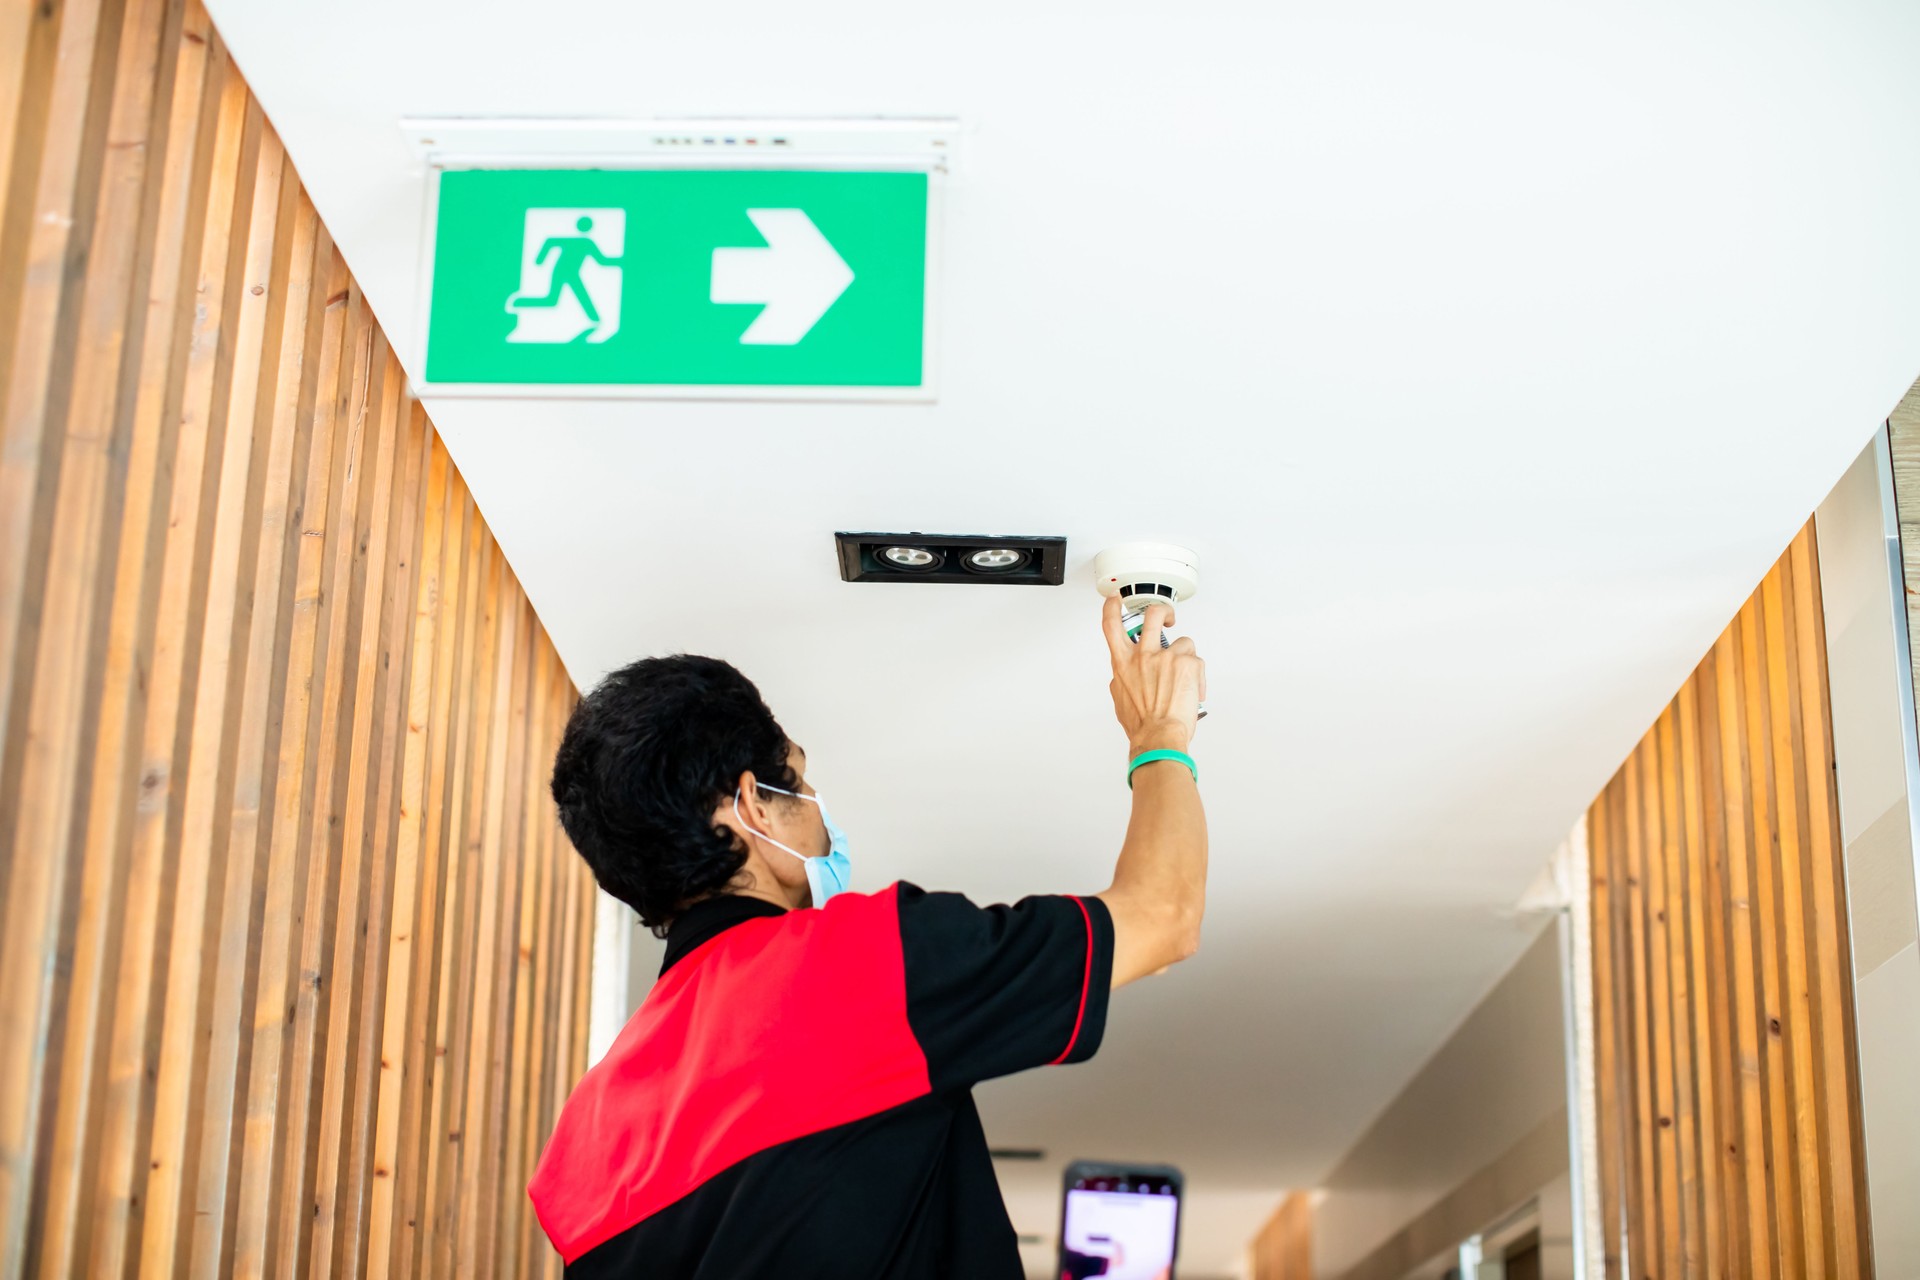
(1119, 1221)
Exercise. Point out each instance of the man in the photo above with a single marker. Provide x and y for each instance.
(793, 1098)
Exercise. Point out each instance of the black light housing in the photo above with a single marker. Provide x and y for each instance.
(1033, 560)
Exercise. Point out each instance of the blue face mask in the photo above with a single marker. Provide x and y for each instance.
(825, 876)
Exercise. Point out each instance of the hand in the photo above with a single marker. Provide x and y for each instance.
(1156, 692)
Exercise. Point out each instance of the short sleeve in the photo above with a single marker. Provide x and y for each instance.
(994, 990)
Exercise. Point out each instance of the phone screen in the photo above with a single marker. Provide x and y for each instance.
(1120, 1226)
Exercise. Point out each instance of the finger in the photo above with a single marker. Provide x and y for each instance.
(1118, 646)
(1157, 620)
(1184, 647)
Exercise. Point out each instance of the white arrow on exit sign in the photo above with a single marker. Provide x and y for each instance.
(797, 277)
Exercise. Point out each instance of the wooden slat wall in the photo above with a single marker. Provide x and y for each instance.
(294, 956)
(1728, 1085)
(1284, 1248)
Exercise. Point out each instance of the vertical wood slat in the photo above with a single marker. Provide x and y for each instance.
(528, 1110)
(49, 518)
(299, 1195)
(110, 438)
(453, 991)
(1606, 1021)
(51, 197)
(476, 1137)
(351, 739)
(1704, 769)
(1645, 1222)
(393, 655)
(1718, 1232)
(1729, 1093)
(448, 1174)
(404, 924)
(278, 996)
(416, 1120)
(1749, 1022)
(524, 1113)
(179, 500)
(1669, 1223)
(1683, 1120)
(287, 912)
(253, 724)
(1283, 1248)
(1790, 773)
(234, 264)
(1843, 1146)
(1763, 795)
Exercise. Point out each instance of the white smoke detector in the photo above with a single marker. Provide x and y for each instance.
(1147, 573)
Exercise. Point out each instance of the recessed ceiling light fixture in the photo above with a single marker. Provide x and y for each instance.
(945, 557)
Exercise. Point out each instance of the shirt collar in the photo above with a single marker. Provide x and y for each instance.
(708, 919)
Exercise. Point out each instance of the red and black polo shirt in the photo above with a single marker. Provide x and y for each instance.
(794, 1097)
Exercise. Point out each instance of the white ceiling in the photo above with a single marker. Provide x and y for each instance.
(1488, 352)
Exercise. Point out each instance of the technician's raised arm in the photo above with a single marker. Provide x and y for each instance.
(1160, 882)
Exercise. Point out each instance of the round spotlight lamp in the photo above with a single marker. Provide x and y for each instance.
(912, 559)
(996, 559)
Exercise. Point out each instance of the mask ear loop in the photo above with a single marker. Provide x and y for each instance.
(763, 835)
(768, 786)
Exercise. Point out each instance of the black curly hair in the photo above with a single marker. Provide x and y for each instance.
(645, 758)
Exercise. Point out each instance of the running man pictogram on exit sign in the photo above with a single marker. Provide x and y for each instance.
(679, 279)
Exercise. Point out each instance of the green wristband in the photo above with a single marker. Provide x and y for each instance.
(1148, 757)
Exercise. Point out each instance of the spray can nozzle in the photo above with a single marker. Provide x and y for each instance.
(1135, 621)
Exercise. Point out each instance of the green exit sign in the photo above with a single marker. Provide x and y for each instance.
(760, 281)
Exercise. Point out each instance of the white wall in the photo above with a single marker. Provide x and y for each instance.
(1874, 762)
(1497, 1087)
